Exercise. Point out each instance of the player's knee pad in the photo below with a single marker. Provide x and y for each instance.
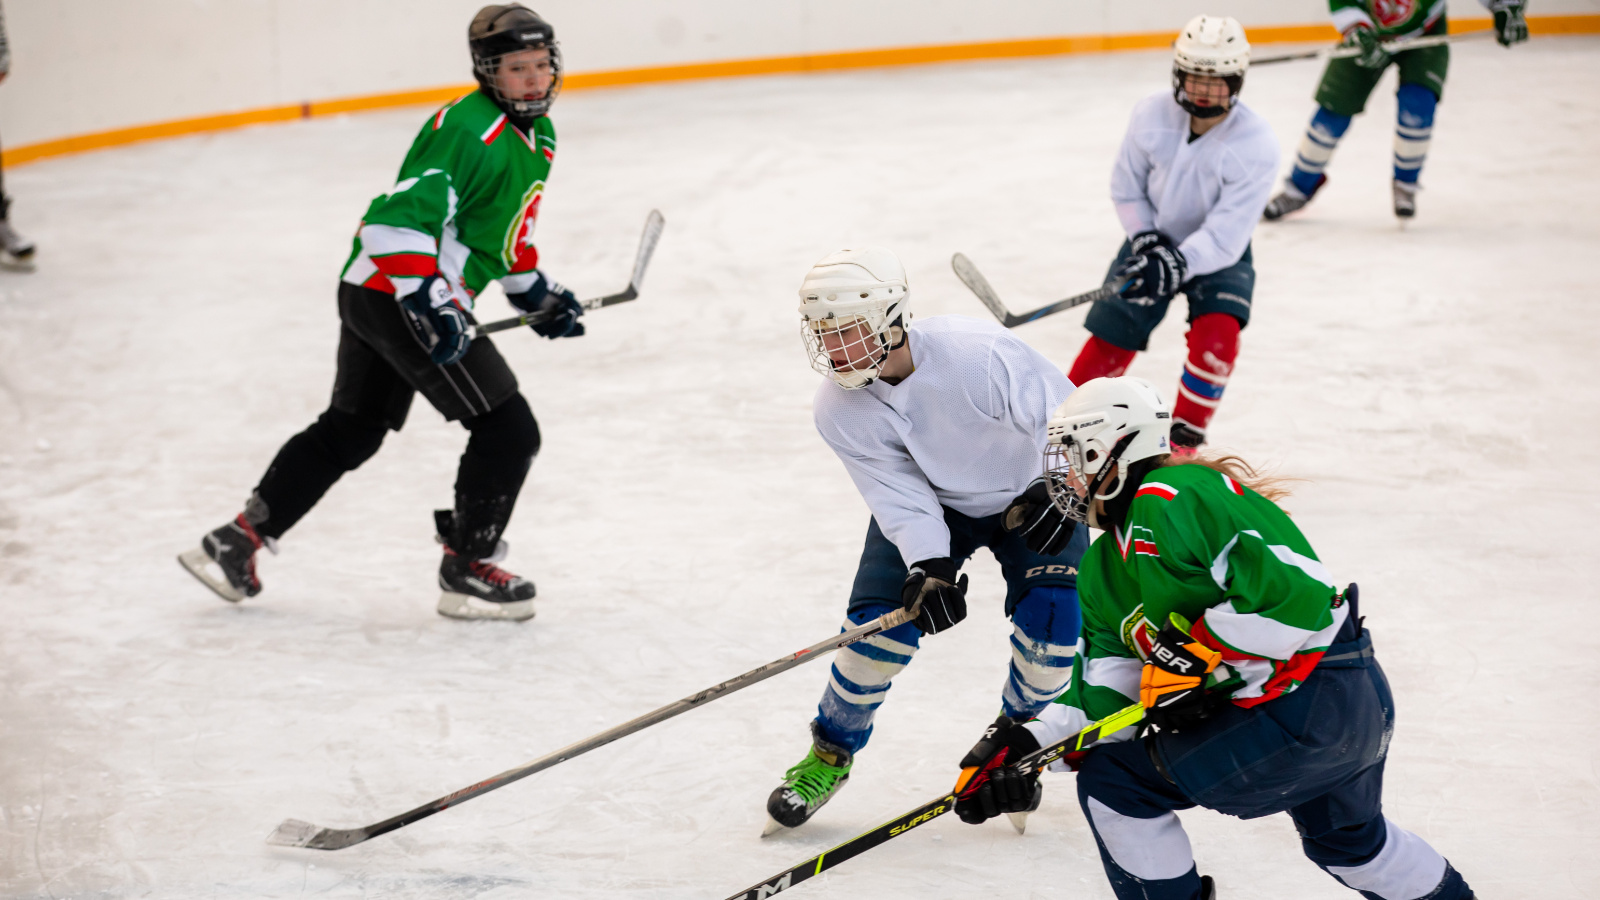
(1413, 130)
(1329, 125)
(1049, 614)
(1213, 347)
(1100, 358)
(1044, 639)
(509, 430)
(347, 439)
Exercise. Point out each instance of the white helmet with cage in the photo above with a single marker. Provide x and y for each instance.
(1215, 46)
(1105, 421)
(854, 309)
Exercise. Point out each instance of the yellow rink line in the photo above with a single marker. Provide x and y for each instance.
(733, 68)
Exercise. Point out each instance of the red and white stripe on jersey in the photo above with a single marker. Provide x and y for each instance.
(1232, 485)
(1156, 489)
(438, 117)
(1271, 657)
(494, 129)
(1142, 545)
(392, 259)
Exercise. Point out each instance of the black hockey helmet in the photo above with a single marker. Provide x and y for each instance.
(502, 29)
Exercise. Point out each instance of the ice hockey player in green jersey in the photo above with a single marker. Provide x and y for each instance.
(460, 215)
(1369, 27)
(1204, 603)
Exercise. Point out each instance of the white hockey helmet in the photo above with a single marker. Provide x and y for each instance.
(854, 307)
(1215, 46)
(1105, 421)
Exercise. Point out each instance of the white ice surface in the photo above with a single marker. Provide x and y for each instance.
(1436, 385)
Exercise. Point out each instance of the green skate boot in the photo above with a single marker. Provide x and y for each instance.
(808, 785)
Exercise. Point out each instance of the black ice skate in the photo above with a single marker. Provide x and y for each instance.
(225, 561)
(810, 784)
(479, 589)
(16, 251)
(1405, 199)
(1290, 200)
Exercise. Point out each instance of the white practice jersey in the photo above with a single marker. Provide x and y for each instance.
(965, 430)
(1206, 195)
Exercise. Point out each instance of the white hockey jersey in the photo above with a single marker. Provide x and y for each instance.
(1206, 195)
(965, 430)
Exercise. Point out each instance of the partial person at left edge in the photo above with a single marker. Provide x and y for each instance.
(16, 251)
(461, 214)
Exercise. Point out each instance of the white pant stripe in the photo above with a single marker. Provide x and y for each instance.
(1405, 869)
(1148, 849)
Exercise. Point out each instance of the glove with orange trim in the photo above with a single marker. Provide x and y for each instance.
(995, 787)
(1172, 687)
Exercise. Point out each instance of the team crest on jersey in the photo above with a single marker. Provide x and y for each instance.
(1136, 631)
(519, 236)
(1390, 13)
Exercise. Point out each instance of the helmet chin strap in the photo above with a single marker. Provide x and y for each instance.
(1099, 480)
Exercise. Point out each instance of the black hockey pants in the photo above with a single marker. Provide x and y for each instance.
(380, 366)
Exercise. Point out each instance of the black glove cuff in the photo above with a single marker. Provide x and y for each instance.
(940, 567)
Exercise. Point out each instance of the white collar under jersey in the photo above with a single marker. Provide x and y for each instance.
(965, 430)
(1207, 195)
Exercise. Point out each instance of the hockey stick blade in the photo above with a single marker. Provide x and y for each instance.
(297, 833)
(974, 280)
(927, 812)
(653, 226)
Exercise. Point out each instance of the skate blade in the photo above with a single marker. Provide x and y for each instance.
(18, 263)
(1019, 821)
(773, 826)
(207, 572)
(463, 606)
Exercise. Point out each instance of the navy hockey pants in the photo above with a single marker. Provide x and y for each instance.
(1041, 601)
(1317, 754)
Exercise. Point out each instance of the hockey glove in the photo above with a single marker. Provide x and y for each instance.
(1370, 53)
(1045, 528)
(933, 584)
(1154, 272)
(997, 787)
(1172, 686)
(547, 295)
(1509, 25)
(444, 324)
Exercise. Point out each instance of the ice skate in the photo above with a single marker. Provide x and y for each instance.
(1405, 199)
(1019, 820)
(1185, 441)
(16, 251)
(479, 589)
(808, 785)
(1290, 199)
(225, 561)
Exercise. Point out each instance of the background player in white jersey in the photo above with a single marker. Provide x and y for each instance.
(1191, 179)
(941, 426)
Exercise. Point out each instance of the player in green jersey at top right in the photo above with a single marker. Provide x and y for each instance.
(1203, 603)
(1370, 27)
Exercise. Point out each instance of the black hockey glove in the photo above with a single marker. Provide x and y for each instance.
(997, 787)
(441, 321)
(1045, 528)
(933, 583)
(1509, 25)
(548, 295)
(1172, 687)
(1370, 53)
(1154, 272)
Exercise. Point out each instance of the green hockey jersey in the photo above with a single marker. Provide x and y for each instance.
(464, 205)
(1202, 545)
(1389, 18)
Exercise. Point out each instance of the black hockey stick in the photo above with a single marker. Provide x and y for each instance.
(653, 224)
(927, 812)
(295, 833)
(974, 280)
(1397, 47)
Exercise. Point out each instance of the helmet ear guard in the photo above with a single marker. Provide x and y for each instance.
(1097, 434)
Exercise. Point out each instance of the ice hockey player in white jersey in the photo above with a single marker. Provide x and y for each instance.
(941, 426)
(1193, 175)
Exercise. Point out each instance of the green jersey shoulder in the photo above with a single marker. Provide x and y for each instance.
(1390, 18)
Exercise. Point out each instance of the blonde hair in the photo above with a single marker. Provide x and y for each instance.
(1272, 487)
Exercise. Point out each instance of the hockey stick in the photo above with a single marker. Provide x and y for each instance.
(974, 280)
(927, 812)
(653, 224)
(1397, 47)
(295, 833)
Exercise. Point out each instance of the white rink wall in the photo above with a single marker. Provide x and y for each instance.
(96, 65)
